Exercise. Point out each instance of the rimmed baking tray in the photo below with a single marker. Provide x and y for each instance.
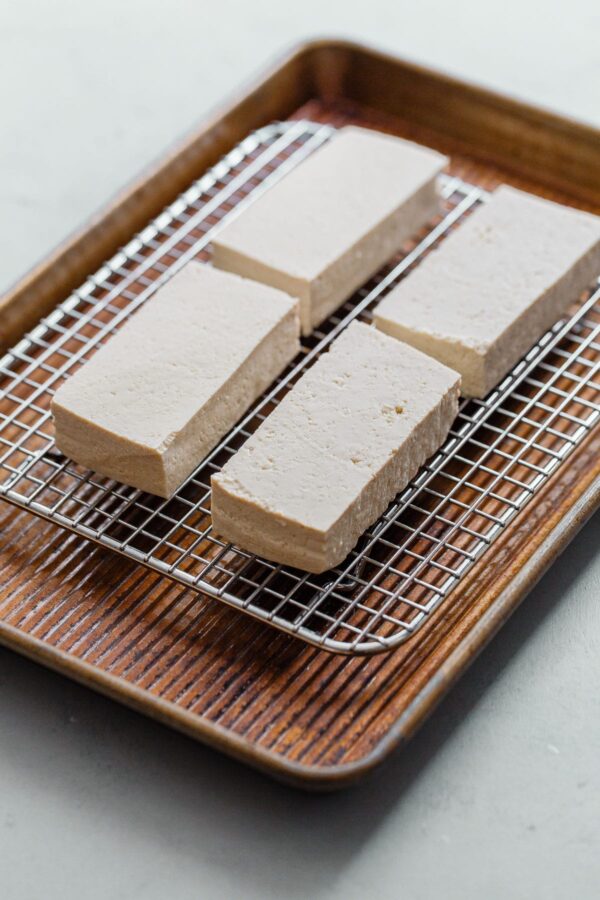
(292, 710)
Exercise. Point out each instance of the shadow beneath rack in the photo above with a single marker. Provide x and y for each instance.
(79, 758)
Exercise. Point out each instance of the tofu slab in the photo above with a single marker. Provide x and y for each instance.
(332, 222)
(156, 399)
(327, 462)
(495, 285)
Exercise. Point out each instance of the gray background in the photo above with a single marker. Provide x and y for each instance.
(499, 794)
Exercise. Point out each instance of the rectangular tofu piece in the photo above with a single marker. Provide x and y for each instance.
(494, 286)
(156, 399)
(327, 462)
(331, 223)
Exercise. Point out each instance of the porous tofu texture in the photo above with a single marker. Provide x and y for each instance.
(333, 221)
(495, 285)
(162, 392)
(338, 448)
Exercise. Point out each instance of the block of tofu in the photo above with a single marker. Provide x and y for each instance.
(156, 399)
(494, 286)
(332, 222)
(327, 462)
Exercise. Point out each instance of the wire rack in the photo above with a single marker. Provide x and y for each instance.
(500, 451)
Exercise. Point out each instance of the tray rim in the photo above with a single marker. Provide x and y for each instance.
(256, 103)
(94, 241)
(333, 777)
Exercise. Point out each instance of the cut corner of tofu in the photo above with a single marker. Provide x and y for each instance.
(465, 362)
(226, 258)
(469, 363)
(136, 465)
(375, 133)
(239, 520)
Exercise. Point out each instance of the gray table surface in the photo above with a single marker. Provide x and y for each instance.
(499, 794)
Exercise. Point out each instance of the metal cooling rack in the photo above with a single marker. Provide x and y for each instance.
(499, 454)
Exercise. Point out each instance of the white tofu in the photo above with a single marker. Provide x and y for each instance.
(156, 399)
(332, 222)
(327, 462)
(494, 286)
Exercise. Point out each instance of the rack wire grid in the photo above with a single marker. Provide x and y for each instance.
(499, 453)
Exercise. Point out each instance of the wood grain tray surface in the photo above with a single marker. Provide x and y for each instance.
(294, 711)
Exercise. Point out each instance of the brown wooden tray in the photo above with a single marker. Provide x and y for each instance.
(298, 713)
